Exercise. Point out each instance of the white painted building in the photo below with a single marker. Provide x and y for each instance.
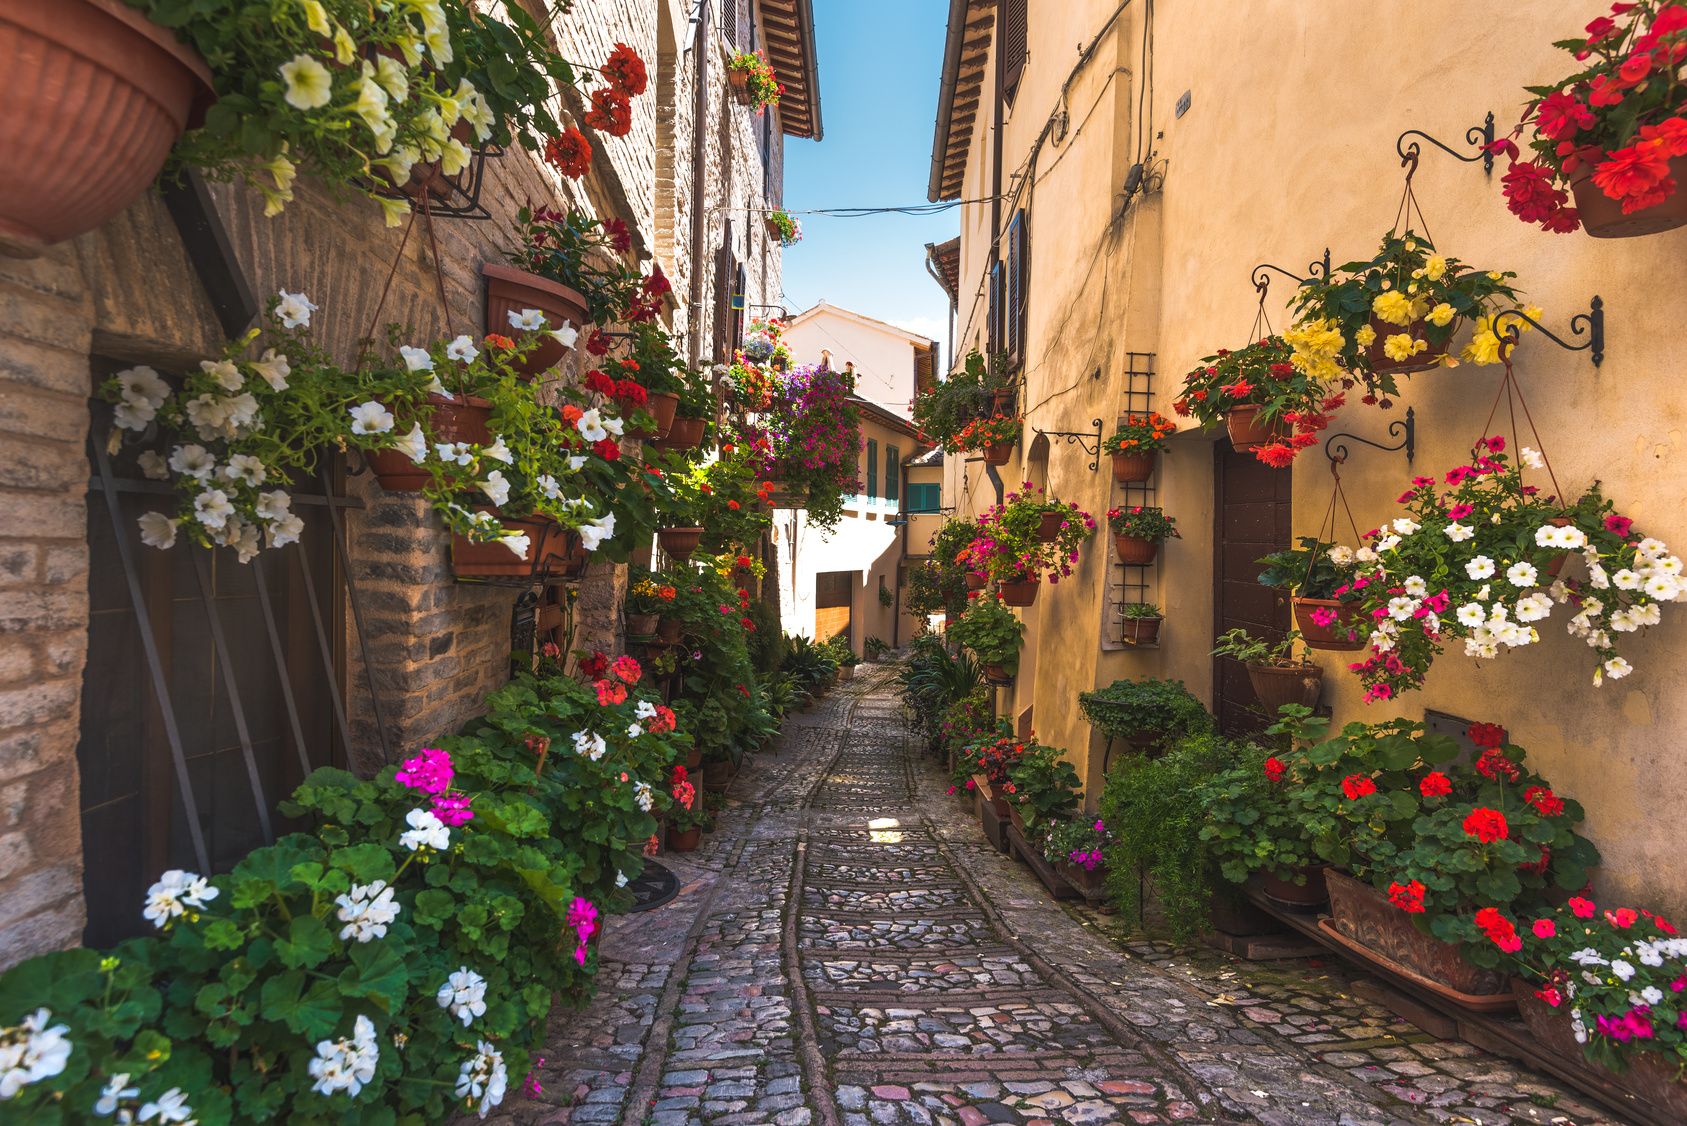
(888, 361)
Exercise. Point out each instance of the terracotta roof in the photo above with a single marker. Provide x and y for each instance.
(944, 261)
(886, 417)
(826, 306)
(959, 97)
(788, 28)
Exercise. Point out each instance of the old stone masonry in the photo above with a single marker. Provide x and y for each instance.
(847, 949)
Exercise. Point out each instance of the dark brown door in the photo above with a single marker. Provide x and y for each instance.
(1252, 513)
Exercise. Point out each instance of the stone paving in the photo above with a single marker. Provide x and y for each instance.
(848, 950)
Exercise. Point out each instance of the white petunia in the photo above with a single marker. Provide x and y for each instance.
(176, 894)
(1664, 588)
(575, 461)
(496, 487)
(460, 453)
(284, 531)
(462, 348)
(498, 451)
(590, 425)
(1479, 568)
(1405, 526)
(152, 465)
(1617, 668)
(1534, 607)
(132, 415)
(1457, 532)
(1650, 548)
(245, 469)
(348, 1063)
(171, 1106)
(1531, 459)
(463, 995)
(226, 373)
(367, 910)
(415, 359)
(371, 418)
(193, 460)
(1647, 614)
(548, 485)
(294, 309)
(566, 335)
(212, 508)
(593, 534)
(1521, 574)
(274, 369)
(309, 85)
(1365, 555)
(518, 542)
(1415, 586)
(414, 445)
(31, 1051)
(1626, 579)
(426, 831)
(274, 505)
(614, 425)
(484, 1077)
(239, 412)
(1472, 614)
(590, 744)
(158, 530)
(1388, 542)
(142, 385)
(1401, 608)
(527, 320)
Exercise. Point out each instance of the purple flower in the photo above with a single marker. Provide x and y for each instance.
(430, 771)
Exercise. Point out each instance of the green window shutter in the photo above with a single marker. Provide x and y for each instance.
(872, 468)
(893, 473)
(926, 496)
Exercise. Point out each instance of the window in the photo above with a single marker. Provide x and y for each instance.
(872, 468)
(924, 496)
(993, 314)
(1012, 301)
(893, 473)
(1013, 47)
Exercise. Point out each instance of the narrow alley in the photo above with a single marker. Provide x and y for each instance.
(939, 984)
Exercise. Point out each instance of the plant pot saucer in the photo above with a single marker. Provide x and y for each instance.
(1475, 1002)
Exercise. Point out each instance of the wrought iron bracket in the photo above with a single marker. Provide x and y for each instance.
(1083, 438)
(1318, 269)
(1590, 323)
(1482, 136)
(1405, 429)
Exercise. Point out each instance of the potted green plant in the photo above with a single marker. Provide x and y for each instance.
(1614, 133)
(994, 436)
(783, 227)
(977, 388)
(1140, 623)
(1045, 788)
(1138, 532)
(1396, 313)
(993, 634)
(687, 815)
(752, 80)
(1278, 675)
(1136, 445)
(1270, 404)
(1320, 578)
(1257, 836)
(1076, 847)
(1147, 714)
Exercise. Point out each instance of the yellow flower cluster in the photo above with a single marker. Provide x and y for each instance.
(1316, 344)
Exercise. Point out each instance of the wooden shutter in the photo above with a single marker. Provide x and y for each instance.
(893, 473)
(872, 468)
(1013, 46)
(993, 317)
(729, 21)
(1018, 273)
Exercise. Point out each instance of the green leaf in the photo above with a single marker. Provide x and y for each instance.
(365, 863)
(377, 972)
(434, 906)
(312, 1013)
(308, 942)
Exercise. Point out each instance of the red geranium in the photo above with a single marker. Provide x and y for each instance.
(1486, 734)
(608, 449)
(599, 382)
(570, 153)
(1493, 764)
(1435, 785)
(1499, 929)
(1356, 786)
(624, 70)
(1544, 800)
(1408, 896)
(631, 393)
(1274, 768)
(626, 669)
(610, 112)
(1487, 825)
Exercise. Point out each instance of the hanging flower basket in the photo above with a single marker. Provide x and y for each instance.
(641, 625)
(1377, 356)
(683, 434)
(1048, 526)
(1603, 217)
(739, 82)
(997, 674)
(99, 94)
(1340, 633)
(1276, 685)
(1134, 549)
(511, 292)
(1142, 631)
(1363, 914)
(998, 454)
(455, 418)
(974, 580)
(1248, 432)
(1021, 593)
(493, 560)
(1131, 468)
(679, 542)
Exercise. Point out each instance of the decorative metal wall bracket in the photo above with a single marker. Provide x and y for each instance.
(1083, 438)
(1591, 323)
(1482, 136)
(1318, 269)
(1405, 429)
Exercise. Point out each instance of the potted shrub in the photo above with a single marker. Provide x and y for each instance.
(1271, 405)
(783, 227)
(984, 766)
(1256, 835)
(752, 80)
(1138, 532)
(1396, 313)
(686, 816)
(994, 436)
(1147, 714)
(1322, 582)
(1614, 133)
(1136, 444)
(1076, 847)
(1473, 563)
(1045, 788)
(1141, 625)
(1277, 674)
(993, 634)
(647, 599)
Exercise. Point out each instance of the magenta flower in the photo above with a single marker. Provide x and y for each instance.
(430, 771)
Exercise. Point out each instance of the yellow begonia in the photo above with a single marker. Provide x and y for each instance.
(1435, 267)
(1365, 337)
(1401, 346)
(1484, 348)
(1316, 345)
(1441, 315)
(1394, 308)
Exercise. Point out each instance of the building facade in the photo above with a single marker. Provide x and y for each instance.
(1181, 160)
(889, 363)
(136, 684)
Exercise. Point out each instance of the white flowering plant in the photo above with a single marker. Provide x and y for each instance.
(1478, 562)
(1396, 311)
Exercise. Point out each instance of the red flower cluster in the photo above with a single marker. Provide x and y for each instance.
(498, 340)
(1493, 764)
(630, 394)
(624, 71)
(1486, 734)
(599, 382)
(608, 449)
(626, 669)
(595, 665)
(570, 154)
(609, 693)
(611, 112)
(1408, 896)
(662, 722)
(1274, 768)
(1435, 785)
(1499, 929)
(1547, 803)
(1487, 825)
(1356, 786)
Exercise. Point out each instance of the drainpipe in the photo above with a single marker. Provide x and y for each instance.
(699, 114)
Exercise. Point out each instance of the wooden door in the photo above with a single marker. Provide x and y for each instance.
(1252, 519)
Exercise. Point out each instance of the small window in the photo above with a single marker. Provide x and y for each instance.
(925, 496)
(1013, 46)
(893, 473)
(872, 468)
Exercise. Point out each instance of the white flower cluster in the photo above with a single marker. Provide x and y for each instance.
(1630, 601)
(142, 391)
(30, 1051)
(484, 1077)
(116, 1097)
(348, 1063)
(366, 910)
(643, 796)
(175, 895)
(463, 995)
(590, 744)
(426, 831)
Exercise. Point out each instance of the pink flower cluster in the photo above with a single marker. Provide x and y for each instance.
(583, 917)
(431, 772)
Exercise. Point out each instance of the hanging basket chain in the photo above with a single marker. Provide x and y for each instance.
(1511, 390)
(426, 212)
(1329, 520)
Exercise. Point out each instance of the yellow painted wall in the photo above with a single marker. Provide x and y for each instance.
(1288, 146)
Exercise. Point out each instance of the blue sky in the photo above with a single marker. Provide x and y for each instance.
(879, 66)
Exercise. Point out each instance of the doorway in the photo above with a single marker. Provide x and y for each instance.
(1251, 519)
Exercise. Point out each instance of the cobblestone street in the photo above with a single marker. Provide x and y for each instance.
(847, 948)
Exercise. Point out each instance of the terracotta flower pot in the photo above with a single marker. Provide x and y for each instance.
(1142, 631)
(1379, 361)
(565, 557)
(509, 290)
(97, 95)
(988, 796)
(975, 581)
(1048, 526)
(1341, 634)
(1364, 914)
(1091, 883)
(1129, 468)
(1555, 566)
(1313, 893)
(641, 625)
(1602, 216)
(717, 773)
(1021, 593)
(1649, 1077)
(739, 83)
(679, 542)
(998, 454)
(454, 419)
(683, 434)
(1001, 401)
(997, 674)
(669, 629)
(472, 560)
(684, 840)
(693, 760)
(661, 405)
(1248, 433)
(1276, 686)
(1014, 816)
(1134, 549)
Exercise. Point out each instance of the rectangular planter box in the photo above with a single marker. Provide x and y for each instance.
(1363, 914)
(1648, 1079)
(995, 826)
(1033, 857)
(1091, 885)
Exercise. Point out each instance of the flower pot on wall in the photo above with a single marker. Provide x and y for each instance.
(1363, 914)
(509, 290)
(975, 581)
(1128, 468)
(998, 454)
(98, 94)
(1378, 359)
(1142, 631)
(455, 418)
(1649, 1077)
(662, 406)
(679, 542)
(493, 560)
(684, 434)
(1602, 216)
(1276, 685)
(564, 558)
(1091, 883)
(997, 674)
(1248, 432)
(1048, 526)
(1021, 593)
(989, 797)
(669, 630)
(1132, 549)
(641, 625)
(1340, 634)
(739, 83)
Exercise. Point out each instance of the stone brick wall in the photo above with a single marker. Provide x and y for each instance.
(127, 292)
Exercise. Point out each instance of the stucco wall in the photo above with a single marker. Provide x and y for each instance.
(1288, 146)
(883, 356)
